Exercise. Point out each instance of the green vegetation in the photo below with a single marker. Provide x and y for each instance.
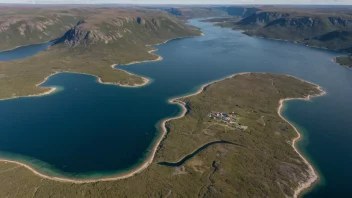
(265, 166)
(102, 37)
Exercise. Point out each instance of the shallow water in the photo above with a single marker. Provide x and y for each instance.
(90, 129)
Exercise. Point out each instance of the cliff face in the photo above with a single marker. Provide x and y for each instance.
(77, 35)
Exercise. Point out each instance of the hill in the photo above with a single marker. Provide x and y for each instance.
(31, 25)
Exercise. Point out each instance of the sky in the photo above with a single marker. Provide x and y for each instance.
(321, 2)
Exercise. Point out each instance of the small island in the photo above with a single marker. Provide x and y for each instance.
(205, 156)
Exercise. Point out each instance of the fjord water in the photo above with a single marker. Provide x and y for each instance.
(90, 130)
(23, 51)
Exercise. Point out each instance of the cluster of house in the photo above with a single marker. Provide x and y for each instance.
(226, 117)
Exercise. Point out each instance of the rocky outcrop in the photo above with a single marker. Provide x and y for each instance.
(340, 22)
(124, 30)
(77, 35)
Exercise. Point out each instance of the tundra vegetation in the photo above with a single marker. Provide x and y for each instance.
(215, 160)
(256, 162)
(87, 40)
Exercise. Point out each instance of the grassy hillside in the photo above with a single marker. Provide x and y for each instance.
(265, 165)
(100, 37)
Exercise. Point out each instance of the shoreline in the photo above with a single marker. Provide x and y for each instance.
(50, 91)
(146, 80)
(125, 175)
(149, 160)
(344, 65)
(53, 89)
(313, 176)
(140, 168)
(27, 46)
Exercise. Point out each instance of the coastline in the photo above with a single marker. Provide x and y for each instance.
(26, 46)
(125, 175)
(313, 176)
(50, 91)
(146, 80)
(53, 89)
(344, 65)
(140, 168)
(301, 186)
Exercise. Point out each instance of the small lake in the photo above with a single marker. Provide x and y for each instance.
(90, 130)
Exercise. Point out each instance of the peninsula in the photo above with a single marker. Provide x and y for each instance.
(253, 153)
(86, 40)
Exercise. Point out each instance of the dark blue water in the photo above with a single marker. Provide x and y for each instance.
(189, 156)
(93, 128)
(23, 51)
